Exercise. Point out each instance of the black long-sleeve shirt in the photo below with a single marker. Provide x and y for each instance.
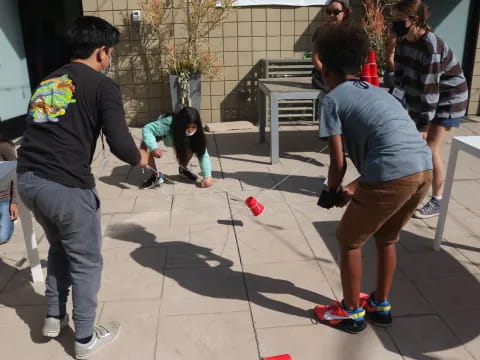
(65, 116)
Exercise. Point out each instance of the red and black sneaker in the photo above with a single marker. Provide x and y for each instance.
(337, 316)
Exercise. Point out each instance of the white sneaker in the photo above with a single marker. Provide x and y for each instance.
(52, 326)
(102, 335)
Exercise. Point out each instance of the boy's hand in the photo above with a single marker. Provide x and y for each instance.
(206, 182)
(347, 193)
(13, 211)
(157, 153)
(330, 198)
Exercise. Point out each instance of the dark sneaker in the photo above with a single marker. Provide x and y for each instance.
(430, 209)
(379, 312)
(187, 174)
(152, 182)
(102, 335)
(336, 316)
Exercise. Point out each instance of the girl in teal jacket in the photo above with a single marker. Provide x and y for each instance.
(182, 131)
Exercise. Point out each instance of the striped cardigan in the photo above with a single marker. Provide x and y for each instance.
(432, 78)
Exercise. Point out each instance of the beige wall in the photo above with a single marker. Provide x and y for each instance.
(474, 107)
(247, 36)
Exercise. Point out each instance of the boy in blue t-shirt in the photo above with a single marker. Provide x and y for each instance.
(394, 163)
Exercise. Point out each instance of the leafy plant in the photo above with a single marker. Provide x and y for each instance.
(377, 16)
(191, 56)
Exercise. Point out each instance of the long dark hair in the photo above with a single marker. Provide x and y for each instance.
(196, 143)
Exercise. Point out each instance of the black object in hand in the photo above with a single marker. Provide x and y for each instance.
(329, 198)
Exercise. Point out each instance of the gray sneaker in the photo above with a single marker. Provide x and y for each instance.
(430, 209)
(52, 326)
(102, 335)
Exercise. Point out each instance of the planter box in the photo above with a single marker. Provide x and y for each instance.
(195, 92)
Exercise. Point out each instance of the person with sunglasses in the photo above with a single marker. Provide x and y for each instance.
(337, 11)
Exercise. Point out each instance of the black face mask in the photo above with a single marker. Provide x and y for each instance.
(399, 28)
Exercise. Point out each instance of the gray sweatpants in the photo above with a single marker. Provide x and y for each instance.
(71, 220)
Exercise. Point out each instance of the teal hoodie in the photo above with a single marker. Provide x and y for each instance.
(162, 127)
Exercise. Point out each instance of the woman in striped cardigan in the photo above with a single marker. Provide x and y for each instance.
(430, 82)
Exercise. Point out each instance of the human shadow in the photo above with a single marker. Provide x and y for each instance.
(413, 250)
(212, 275)
(19, 294)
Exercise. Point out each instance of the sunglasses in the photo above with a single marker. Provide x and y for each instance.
(334, 12)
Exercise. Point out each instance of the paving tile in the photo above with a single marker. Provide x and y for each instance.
(468, 246)
(426, 337)
(459, 223)
(269, 246)
(16, 245)
(7, 271)
(206, 249)
(199, 199)
(132, 274)
(116, 206)
(158, 204)
(461, 290)
(20, 291)
(464, 326)
(405, 297)
(203, 290)
(416, 237)
(275, 217)
(283, 294)
(20, 335)
(147, 229)
(323, 342)
(265, 197)
(207, 216)
(435, 264)
(139, 321)
(207, 336)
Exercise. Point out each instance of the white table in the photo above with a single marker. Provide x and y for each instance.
(471, 145)
(281, 89)
(8, 173)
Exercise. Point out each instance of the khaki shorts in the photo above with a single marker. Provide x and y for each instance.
(382, 210)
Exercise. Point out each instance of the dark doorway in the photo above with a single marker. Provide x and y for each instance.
(43, 28)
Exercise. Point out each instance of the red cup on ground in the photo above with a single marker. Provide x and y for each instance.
(373, 70)
(372, 57)
(278, 357)
(255, 206)
(366, 71)
(375, 80)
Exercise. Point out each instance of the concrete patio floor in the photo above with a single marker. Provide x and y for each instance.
(191, 274)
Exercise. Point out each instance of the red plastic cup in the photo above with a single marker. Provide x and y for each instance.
(278, 357)
(375, 80)
(367, 79)
(366, 71)
(372, 57)
(255, 206)
(373, 69)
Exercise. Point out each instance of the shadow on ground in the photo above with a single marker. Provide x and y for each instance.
(30, 306)
(412, 244)
(214, 267)
(248, 143)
